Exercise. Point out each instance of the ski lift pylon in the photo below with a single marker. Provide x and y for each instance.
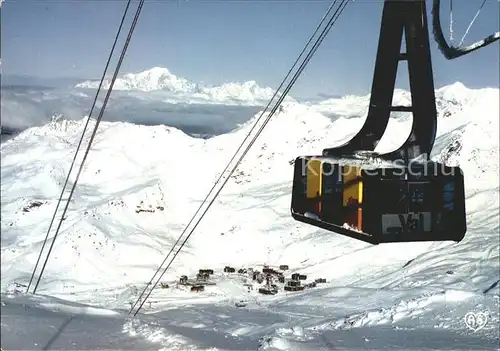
(400, 196)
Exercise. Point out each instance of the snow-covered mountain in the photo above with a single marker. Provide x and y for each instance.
(156, 78)
(142, 184)
(161, 79)
(449, 100)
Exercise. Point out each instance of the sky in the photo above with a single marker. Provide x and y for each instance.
(215, 42)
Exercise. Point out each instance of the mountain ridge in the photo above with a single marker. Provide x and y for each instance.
(161, 79)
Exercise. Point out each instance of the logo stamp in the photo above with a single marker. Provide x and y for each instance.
(476, 320)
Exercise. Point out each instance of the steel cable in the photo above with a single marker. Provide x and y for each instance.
(98, 120)
(327, 28)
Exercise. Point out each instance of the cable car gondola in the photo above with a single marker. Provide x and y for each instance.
(400, 196)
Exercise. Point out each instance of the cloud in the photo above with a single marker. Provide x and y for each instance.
(24, 107)
(154, 96)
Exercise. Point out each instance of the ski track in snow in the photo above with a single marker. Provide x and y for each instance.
(141, 185)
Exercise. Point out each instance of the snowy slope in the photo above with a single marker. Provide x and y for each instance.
(395, 296)
(161, 79)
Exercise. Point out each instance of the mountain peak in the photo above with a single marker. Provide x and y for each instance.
(161, 79)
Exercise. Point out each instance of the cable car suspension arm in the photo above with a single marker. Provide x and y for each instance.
(449, 51)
